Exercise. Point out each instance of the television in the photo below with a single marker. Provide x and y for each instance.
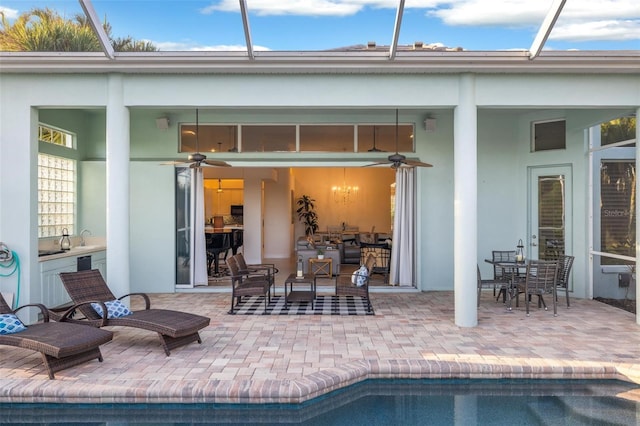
(236, 210)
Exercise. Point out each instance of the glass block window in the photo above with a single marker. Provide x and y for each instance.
(55, 136)
(56, 195)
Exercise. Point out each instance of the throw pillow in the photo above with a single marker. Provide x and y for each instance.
(115, 309)
(359, 277)
(10, 323)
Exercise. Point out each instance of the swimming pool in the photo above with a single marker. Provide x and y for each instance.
(378, 402)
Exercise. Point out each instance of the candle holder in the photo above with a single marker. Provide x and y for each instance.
(520, 252)
(299, 272)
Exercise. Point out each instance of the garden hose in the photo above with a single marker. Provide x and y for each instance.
(9, 260)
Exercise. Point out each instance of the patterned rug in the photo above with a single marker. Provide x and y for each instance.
(323, 305)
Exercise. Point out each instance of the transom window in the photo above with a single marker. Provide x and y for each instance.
(297, 138)
(55, 136)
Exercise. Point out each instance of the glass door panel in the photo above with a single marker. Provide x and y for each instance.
(183, 227)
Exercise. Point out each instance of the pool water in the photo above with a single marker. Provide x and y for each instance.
(377, 402)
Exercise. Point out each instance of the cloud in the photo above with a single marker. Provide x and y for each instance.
(598, 30)
(170, 46)
(10, 14)
(291, 7)
(584, 20)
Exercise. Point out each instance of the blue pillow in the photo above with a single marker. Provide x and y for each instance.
(9, 324)
(115, 309)
(359, 277)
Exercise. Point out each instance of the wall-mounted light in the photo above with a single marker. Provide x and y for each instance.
(162, 123)
(430, 124)
(219, 186)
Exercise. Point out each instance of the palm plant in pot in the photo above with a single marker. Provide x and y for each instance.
(307, 215)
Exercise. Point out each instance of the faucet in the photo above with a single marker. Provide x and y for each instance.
(82, 242)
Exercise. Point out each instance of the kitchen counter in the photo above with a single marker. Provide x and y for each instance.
(75, 251)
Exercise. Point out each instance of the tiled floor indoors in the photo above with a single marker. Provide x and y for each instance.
(294, 358)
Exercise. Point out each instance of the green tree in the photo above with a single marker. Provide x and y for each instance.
(44, 30)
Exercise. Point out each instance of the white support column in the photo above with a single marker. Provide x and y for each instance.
(637, 213)
(465, 247)
(117, 188)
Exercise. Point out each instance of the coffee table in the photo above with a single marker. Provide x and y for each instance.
(292, 295)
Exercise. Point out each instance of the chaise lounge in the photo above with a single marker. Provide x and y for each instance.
(175, 328)
(61, 344)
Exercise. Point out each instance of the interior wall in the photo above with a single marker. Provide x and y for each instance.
(370, 207)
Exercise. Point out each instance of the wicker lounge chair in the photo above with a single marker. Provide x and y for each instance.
(268, 268)
(61, 344)
(175, 328)
(245, 283)
(346, 287)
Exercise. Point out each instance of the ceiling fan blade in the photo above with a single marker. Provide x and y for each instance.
(216, 163)
(173, 163)
(417, 163)
(379, 163)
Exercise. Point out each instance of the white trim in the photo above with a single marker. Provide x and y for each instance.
(546, 27)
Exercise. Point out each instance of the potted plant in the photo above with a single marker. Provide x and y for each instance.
(320, 253)
(306, 212)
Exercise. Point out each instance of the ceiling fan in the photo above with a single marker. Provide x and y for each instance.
(197, 160)
(398, 160)
(374, 148)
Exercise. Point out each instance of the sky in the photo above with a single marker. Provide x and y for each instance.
(281, 25)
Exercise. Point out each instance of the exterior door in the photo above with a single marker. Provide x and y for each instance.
(550, 207)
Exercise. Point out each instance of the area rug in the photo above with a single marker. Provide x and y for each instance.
(323, 305)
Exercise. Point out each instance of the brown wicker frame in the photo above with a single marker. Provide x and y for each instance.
(61, 344)
(257, 268)
(175, 328)
(344, 286)
(244, 283)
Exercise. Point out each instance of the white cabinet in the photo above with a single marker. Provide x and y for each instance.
(52, 292)
(99, 262)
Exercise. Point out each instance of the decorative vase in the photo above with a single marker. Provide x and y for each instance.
(321, 256)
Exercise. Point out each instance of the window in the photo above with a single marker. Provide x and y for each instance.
(56, 185)
(56, 195)
(264, 138)
(285, 137)
(374, 138)
(617, 209)
(55, 136)
(326, 138)
(618, 130)
(547, 135)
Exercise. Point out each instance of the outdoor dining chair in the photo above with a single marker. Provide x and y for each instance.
(564, 269)
(540, 280)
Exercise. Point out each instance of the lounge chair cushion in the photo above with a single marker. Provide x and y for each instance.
(115, 309)
(359, 277)
(10, 323)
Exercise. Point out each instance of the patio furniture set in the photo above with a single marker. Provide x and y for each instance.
(75, 335)
(259, 280)
(512, 277)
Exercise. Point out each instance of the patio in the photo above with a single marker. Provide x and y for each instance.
(262, 359)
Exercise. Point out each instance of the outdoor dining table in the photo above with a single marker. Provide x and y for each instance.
(511, 288)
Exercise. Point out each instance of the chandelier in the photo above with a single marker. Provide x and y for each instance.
(345, 193)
